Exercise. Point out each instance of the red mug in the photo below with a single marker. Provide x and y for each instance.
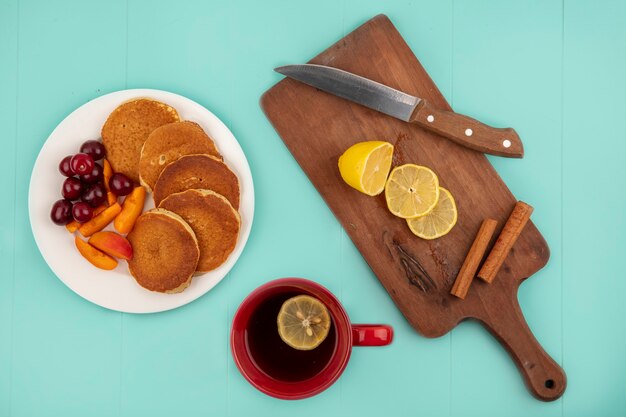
(333, 357)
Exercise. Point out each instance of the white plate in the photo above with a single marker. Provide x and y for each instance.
(117, 290)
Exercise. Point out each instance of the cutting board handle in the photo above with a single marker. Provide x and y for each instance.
(544, 378)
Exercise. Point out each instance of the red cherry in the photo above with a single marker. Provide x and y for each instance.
(95, 195)
(61, 212)
(72, 188)
(65, 168)
(94, 176)
(81, 163)
(82, 212)
(93, 148)
(120, 184)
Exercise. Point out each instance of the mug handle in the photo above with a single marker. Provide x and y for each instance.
(371, 334)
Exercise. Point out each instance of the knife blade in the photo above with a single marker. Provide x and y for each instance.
(461, 129)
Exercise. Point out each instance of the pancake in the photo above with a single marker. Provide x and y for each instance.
(197, 172)
(214, 221)
(168, 143)
(165, 251)
(128, 127)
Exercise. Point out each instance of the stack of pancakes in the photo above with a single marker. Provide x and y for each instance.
(196, 223)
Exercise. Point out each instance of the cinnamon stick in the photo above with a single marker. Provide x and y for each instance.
(473, 258)
(510, 232)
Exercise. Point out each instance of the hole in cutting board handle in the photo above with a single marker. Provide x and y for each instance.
(549, 383)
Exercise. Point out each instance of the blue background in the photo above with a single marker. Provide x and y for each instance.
(552, 69)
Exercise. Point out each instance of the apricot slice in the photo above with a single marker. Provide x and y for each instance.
(112, 244)
(131, 209)
(74, 225)
(111, 198)
(107, 172)
(95, 256)
(100, 221)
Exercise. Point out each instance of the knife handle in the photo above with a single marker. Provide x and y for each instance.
(468, 132)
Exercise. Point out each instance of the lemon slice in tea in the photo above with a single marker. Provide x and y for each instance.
(411, 191)
(303, 322)
(439, 221)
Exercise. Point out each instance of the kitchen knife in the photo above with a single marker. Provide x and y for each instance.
(461, 129)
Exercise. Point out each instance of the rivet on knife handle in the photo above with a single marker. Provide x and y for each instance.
(467, 131)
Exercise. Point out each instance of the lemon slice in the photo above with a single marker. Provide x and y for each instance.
(303, 322)
(411, 191)
(365, 166)
(439, 221)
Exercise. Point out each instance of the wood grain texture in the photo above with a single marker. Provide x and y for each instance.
(418, 274)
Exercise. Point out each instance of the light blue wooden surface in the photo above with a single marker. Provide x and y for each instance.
(554, 70)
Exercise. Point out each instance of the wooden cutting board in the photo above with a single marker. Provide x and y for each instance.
(418, 274)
